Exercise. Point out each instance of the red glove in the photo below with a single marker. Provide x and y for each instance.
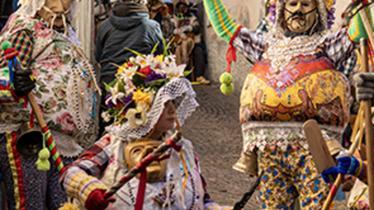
(96, 200)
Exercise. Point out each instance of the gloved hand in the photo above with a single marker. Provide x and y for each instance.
(96, 200)
(347, 165)
(23, 84)
(364, 83)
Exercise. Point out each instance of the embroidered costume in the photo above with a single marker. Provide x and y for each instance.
(65, 91)
(297, 75)
(137, 101)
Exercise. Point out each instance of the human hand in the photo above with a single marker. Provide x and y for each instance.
(23, 83)
(346, 165)
(364, 83)
(96, 200)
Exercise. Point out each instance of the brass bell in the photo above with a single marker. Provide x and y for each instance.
(247, 164)
(29, 142)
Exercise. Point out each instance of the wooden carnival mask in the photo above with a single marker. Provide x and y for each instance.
(55, 12)
(135, 151)
(300, 15)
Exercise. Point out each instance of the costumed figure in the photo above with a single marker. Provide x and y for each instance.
(188, 40)
(299, 73)
(41, 55)
(147, 101)
(160, 12)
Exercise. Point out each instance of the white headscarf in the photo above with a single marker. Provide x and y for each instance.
(31, 7)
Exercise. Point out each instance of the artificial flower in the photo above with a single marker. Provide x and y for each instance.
(146, 70)
(136, 116)
(142, 97)
(115, 95)
(106, 116)
(154, 76)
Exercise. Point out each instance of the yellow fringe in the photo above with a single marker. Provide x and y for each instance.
(69, 206)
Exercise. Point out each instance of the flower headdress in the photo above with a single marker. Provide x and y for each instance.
(142, 86)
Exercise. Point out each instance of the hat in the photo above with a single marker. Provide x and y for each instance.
(136, 98)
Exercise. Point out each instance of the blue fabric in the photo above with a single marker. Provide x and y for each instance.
(117, 34)
(346, 166)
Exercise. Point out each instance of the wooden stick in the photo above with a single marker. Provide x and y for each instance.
(368, 126)
(338, 181)
(50, 141)
(144, 163)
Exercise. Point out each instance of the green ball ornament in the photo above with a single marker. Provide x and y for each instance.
(6, 45)
(43, 165)
(227, 89)
(226, 78)
(44, 154)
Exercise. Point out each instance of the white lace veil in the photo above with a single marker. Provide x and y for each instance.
(176, 88)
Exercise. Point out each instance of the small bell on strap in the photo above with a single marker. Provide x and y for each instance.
(247, 164)
(43, 164)
(30, 141)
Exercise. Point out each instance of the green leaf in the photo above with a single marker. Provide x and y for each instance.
(186, 73)
(135, 52)
(155, 48)
(109, 85)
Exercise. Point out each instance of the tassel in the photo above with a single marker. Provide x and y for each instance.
(43, 164)
(69, 206)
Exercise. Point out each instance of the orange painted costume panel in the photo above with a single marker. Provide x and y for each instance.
(307, 88)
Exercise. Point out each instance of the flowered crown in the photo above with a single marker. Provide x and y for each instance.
(131, 94)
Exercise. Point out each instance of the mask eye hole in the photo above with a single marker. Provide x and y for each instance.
(293, 3)
(305, 4)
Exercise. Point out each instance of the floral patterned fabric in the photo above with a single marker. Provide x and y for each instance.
(288, 175)
(65, 85)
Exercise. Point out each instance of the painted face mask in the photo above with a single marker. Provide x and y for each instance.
(55, 13)
(300, 16)
(136, 151)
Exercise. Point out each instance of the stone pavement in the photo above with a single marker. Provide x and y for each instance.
(215, 132)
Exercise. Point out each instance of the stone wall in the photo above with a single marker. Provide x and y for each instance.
(248, 13)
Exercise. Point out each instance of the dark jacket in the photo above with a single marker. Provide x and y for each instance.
(120, 31)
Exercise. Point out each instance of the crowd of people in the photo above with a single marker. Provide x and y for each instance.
(77, 137)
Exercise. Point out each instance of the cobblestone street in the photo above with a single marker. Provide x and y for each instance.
(215, 131)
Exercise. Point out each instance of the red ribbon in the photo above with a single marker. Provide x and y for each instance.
(231, 51)
(141, 190)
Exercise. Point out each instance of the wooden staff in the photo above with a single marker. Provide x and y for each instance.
(338, 181)
(368, 126)
(11, 54)
(145, 162)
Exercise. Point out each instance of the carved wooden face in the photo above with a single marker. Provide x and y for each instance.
(55, 11)
(138, 150)
(300, 15)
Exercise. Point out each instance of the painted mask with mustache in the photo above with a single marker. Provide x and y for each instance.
(55, 13)
(300, 15)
